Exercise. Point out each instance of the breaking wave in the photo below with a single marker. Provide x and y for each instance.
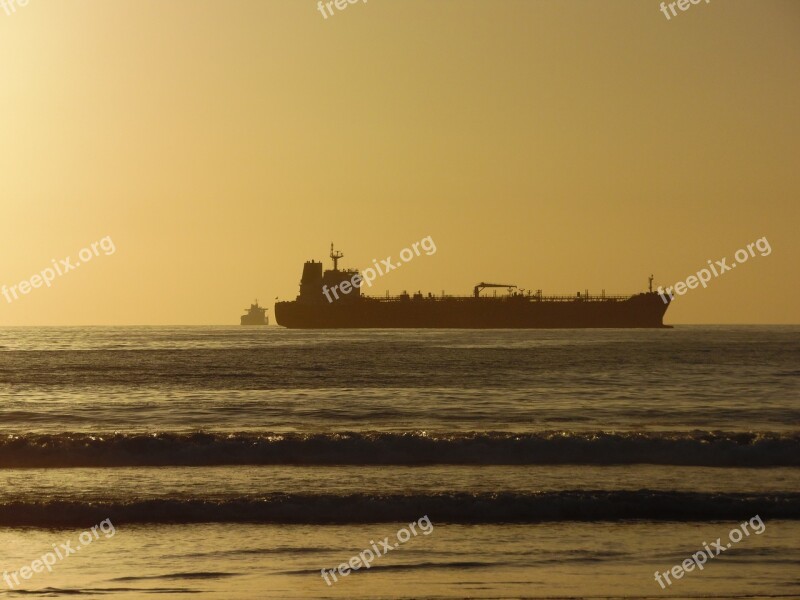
(696, 448)
(504, 507)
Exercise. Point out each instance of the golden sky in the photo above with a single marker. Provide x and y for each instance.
(553, 144)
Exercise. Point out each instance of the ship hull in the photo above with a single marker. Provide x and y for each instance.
(254, 321)
(639, 311)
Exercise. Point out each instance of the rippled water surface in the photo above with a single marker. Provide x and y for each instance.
(239, 462)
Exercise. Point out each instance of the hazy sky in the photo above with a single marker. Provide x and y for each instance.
(552, 144)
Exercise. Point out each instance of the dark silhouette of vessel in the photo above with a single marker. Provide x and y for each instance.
(255, 315)
(316, 307)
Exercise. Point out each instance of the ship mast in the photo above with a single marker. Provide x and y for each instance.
(335, 256)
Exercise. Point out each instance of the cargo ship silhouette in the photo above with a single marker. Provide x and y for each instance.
(255, 315)
(518, 309)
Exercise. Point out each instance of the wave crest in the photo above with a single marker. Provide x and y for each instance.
(696, 448)
(504, 507)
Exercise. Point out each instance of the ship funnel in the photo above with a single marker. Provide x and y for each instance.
(311, 283)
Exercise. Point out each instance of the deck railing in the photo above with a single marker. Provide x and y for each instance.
(505, 297)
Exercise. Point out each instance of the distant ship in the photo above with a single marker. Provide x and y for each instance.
(255, 315)
(518, 309)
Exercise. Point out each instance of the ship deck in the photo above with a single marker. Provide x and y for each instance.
(505, 298)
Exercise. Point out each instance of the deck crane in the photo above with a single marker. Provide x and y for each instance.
(482, 285)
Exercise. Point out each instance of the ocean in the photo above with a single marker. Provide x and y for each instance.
(245, 462)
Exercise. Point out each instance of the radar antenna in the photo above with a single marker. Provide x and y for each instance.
(335, 256)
